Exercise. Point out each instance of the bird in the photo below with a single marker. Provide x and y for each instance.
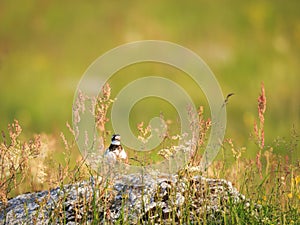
(115, 152)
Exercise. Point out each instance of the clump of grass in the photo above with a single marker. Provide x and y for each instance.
(259, 132)
(102, 105)
(204, 126)
(14, 159)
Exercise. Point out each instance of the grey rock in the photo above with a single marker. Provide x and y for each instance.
(129, 198)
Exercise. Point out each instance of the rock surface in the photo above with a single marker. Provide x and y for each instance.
(129, 199)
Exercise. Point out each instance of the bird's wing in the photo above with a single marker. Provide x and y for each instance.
(123, 154)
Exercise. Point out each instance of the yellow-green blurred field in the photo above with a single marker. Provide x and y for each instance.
(45, 47)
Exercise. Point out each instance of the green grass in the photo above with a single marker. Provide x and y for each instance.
(45, 47)
(270, 180)
(244, 43)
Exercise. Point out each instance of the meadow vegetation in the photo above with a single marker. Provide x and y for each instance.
(270, 180)
(45, 47)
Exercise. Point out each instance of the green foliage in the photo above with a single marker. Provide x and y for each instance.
(46, 46)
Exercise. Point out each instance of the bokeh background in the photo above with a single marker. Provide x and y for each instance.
(45, 47)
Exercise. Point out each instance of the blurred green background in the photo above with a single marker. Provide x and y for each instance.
(45, 47)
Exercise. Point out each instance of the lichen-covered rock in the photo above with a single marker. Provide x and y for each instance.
(129, 199)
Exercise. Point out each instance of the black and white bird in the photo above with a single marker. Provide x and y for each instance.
(116, 152)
